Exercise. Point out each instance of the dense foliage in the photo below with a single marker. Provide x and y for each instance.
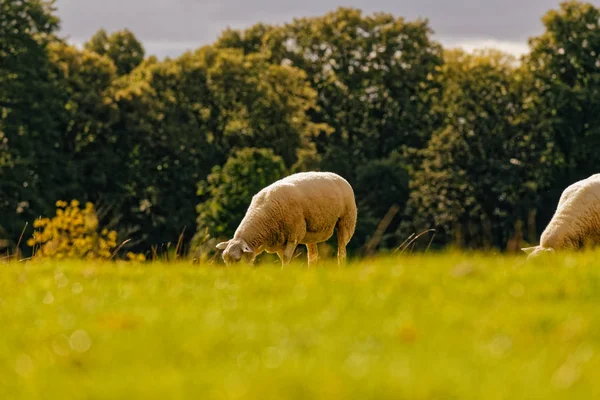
(482, 170)
(477, 146)
(73, 233)
(227, 191)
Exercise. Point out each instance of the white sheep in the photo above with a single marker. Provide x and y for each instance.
(303, 208)
(576, 221)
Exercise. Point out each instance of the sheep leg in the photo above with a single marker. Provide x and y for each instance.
(345, 229)
(287, 254)
(252, 259)
(313, 254)
(341, 254)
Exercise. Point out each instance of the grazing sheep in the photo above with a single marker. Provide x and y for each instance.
(303, 208)
(576, 221)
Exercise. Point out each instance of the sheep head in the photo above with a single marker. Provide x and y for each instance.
(236, 250)
(537, 251)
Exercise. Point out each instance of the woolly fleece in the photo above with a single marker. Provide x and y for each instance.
(303, 208)
(576, 221)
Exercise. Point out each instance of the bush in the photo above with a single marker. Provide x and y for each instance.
(381, 187)
(74, 233)
(228, 190)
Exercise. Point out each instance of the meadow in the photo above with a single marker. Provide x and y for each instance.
(437, 326)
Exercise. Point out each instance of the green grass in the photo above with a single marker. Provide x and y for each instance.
(423, 327)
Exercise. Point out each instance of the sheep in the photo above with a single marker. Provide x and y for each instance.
(576, 221)
(303, 208)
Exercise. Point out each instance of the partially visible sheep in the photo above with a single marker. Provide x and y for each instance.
(303, 208)
(576, 221)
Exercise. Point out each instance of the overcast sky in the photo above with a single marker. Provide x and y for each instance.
(170, 27)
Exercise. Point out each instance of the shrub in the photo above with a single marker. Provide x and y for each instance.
(381, 185)
(227, 192)
(73, 233)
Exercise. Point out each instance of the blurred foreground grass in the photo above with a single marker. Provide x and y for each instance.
(424, 327)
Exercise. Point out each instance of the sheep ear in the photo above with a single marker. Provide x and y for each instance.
(247, 249)
(222, 245)
(528, 250)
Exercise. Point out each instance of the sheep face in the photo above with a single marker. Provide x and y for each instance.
(537, 251)
(235, 251)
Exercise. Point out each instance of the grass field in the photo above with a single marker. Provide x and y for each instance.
(423, 327)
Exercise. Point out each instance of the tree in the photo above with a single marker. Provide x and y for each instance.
(258, 104)
(122, 47)
(565, 63)
(162, 143)
(251, 40)
(89, 114)
(226, 193)
(486, 166)
(179, 118)
(375, 76)
(382, 186)
(31, 161)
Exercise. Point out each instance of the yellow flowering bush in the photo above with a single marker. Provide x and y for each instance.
(135, 256)
(73, 233)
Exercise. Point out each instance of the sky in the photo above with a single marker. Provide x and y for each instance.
(171, 27)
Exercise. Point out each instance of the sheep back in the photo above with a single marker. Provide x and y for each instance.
(306, 204)
(576, 220)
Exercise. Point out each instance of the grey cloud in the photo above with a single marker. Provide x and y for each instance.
(169, 26)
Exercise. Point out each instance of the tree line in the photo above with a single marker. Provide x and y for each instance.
(476, 146)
